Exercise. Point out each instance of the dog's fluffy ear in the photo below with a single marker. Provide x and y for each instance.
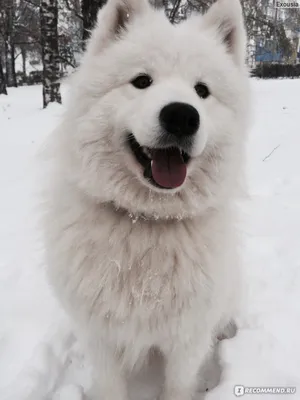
(225, 17)
(113, 19)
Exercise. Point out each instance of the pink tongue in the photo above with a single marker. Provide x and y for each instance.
(168, 168)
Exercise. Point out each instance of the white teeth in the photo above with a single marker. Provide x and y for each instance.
(146, 152)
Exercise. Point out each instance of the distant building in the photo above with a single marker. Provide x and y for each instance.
(266, 50)
(294, 36)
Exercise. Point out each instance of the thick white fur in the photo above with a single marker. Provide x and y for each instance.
(137, 267)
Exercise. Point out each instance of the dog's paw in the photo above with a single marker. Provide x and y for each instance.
(210, 373)
(228, 332)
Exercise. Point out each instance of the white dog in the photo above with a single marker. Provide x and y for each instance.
(141, 224)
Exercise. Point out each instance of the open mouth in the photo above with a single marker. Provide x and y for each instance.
(164, 168)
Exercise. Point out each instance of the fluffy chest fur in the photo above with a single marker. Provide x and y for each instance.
(121, 269)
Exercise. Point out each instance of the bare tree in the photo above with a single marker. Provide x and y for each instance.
(50, 56)
(7, 19)
(2, 79)
(178, 10)
(27, 31)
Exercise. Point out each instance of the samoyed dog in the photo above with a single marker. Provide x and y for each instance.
(141, 236)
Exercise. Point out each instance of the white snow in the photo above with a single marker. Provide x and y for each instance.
(39, 357)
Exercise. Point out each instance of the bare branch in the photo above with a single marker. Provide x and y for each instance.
(32, 3)
(175, 10)
(68, 62)
(73, 11)
(269, 155)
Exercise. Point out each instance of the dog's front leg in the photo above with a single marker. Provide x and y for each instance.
(109, 382)
(182, 366)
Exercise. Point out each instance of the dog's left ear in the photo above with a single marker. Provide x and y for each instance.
(113, 20)
(225, 17)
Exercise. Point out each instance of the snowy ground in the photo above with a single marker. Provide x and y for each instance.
(38, 355)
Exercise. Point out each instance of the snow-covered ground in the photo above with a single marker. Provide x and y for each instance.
(38, 354)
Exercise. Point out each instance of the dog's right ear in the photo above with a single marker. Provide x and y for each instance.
(225, 18)
(113, 20)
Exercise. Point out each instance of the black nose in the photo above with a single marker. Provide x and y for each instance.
(180, 119)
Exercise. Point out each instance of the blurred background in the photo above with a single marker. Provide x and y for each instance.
(41, 41)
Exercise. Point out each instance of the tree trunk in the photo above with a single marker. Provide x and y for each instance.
(13, 64)
(7, 63)
(89, 10)
(10, 46)
(23, 53)
(2, 79)
(49, 41)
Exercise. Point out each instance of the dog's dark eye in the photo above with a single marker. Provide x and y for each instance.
(202, 90)
(142, 81)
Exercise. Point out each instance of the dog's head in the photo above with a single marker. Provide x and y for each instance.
(156, 124)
